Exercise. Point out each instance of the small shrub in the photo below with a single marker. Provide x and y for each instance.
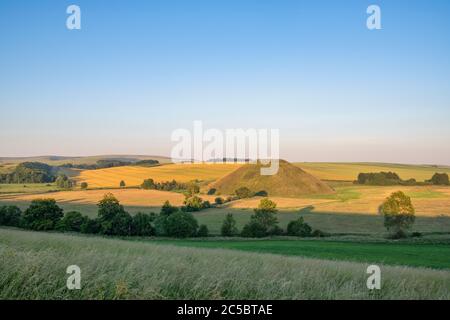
(72, 221)
(212, 191)
(202, 231)
(122, 184)
(299, 228)
(318, 234)
(10, 216)
(229, 228)
(218, 200)
(180, 225)
(243, 192)
(84, 185)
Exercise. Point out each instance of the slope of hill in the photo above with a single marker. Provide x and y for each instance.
(290, 181)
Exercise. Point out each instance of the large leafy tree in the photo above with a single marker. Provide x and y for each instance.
(113, 218)
(398, 213)
(43, 214)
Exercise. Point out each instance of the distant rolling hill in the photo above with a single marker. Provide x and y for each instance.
(59, 160)
(290, 181)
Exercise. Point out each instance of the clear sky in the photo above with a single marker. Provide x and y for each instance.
(137, 70)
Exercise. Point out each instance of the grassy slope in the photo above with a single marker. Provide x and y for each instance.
(289, 181)
(33, 267)
(350, 171)
(417, 255)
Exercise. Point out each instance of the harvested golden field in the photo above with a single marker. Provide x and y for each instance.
(428, 201)
(127, 197)
(350, 171)
(133, 176)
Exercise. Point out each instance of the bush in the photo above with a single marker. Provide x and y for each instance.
(167, 209)
(193, 203)
(254, 229)
(299, 228)
(10, 216)
(148, 184)
(398, 213)
(72, 221)
(212, 191)
(64, 182)
(122, 184)
(440, 179)
(218, 200)
(416, 235)
(84, 185)
(43, 214)
(206, 204)
(243, 192)
(180, 225)
(90, 226)
(202, 231)
(261, 193)
(318, 234)
(141, 225)
(229, 228)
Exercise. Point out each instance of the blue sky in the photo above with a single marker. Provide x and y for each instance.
(137, 70)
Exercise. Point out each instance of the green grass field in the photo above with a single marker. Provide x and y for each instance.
(33, 266)
(389, 253)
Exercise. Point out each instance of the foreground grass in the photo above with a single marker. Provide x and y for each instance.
(410, 254)
(33, 266)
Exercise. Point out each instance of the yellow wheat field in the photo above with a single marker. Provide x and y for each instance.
(127, 197)
(134, 176)
(428, 201)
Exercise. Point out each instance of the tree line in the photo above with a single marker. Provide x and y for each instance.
(392, 178)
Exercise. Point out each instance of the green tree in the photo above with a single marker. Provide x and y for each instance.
(218, 200)
(243, 192)
(122, 184)
(84, 185)
(142, 225)
(10, 216)
(148, 184)
(299, 228)
(264, 221)
(193, 203)
(229, 228)
(440, 179)
(90, 226)
(113, 218)
(167, 209)
(42, 214)
(72, 221)
(202, 231)
(63, 182)
(398, 213)
(181, 225)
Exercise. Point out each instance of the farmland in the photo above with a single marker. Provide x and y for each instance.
(133, 176)
(349, 171)
(33, 267)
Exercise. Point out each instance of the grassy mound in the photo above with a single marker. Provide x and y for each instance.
(290, 181)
